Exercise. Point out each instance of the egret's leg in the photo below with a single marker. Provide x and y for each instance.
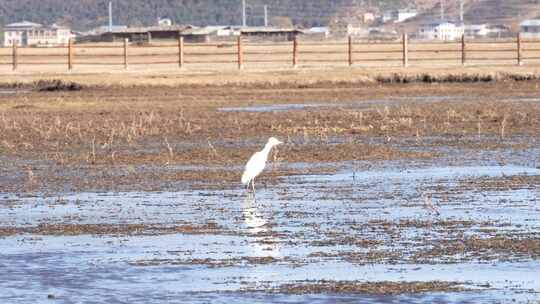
(253, 188)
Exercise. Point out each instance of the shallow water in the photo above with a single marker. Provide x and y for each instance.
(13, 92)
(362, 104)
(308, 225)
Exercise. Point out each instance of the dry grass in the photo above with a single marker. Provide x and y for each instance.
(84, 124)
(109, 229)
(369, 288)
(105, 128)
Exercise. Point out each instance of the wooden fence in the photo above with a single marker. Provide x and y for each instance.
(243, 54)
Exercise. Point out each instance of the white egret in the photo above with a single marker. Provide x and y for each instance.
(430, 206)
(257, 162)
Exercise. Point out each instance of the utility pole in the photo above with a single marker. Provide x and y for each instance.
(110, 17)
(461, 11)
(442, 10)
(244, 21)
(266, 15)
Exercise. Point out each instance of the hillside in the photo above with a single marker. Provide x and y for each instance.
(507, 12)
(84, 14)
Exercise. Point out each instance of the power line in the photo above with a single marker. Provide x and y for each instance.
(442, 10)
(461, 10)
(110, 17)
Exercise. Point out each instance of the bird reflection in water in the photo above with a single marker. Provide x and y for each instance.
(262, 239)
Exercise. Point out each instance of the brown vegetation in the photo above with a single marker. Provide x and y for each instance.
(122, 128)
(377, 288)
(109, 229)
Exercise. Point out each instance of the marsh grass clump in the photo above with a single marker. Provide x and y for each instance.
(12, 85)
(404, 78)
(521, 76)
(378, 288)
(55, 85)
(401, 78)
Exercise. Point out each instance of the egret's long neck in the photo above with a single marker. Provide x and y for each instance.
(267, 149)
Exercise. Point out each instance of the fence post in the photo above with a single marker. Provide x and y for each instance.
(405, 51)
(15, 59)
(295, 52)
(463, 50)
(180, 51)
(519, 59)
(125, 53)
(240, 52)
(70, 54)
(350, 51)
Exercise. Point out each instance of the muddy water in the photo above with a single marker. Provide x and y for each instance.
(355, 225)
(361, 104)
(4, 92)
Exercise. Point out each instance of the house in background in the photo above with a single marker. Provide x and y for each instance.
(476, 30)
(269, 33)
(398, 16)
(191, 34)
(318, 32)
(530, 28)
(27, 33)
(368, 17)
(405, 14)
(487, 30)
(137, 34)
(164, 22)
(205, 34)
(441, 30)
(105, 28)
(357, 30)
(499, 31)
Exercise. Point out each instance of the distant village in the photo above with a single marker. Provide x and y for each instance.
(370, 26)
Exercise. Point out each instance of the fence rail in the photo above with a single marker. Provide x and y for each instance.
(241, 54)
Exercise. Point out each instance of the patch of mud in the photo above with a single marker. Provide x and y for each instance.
(484, 249)
(108, 229)
(501, 183)
(380, 288)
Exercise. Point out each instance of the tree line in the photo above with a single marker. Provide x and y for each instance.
(87, 14)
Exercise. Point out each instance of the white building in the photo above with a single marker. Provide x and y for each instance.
(441, 30)
(387, 16)
(165, 22)
(530, 28)
(104, 29)
(477, 30)
(356, 30)
(398, 16)
(28, 33)
(319, 31)
(404, 14)
(368, 17)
